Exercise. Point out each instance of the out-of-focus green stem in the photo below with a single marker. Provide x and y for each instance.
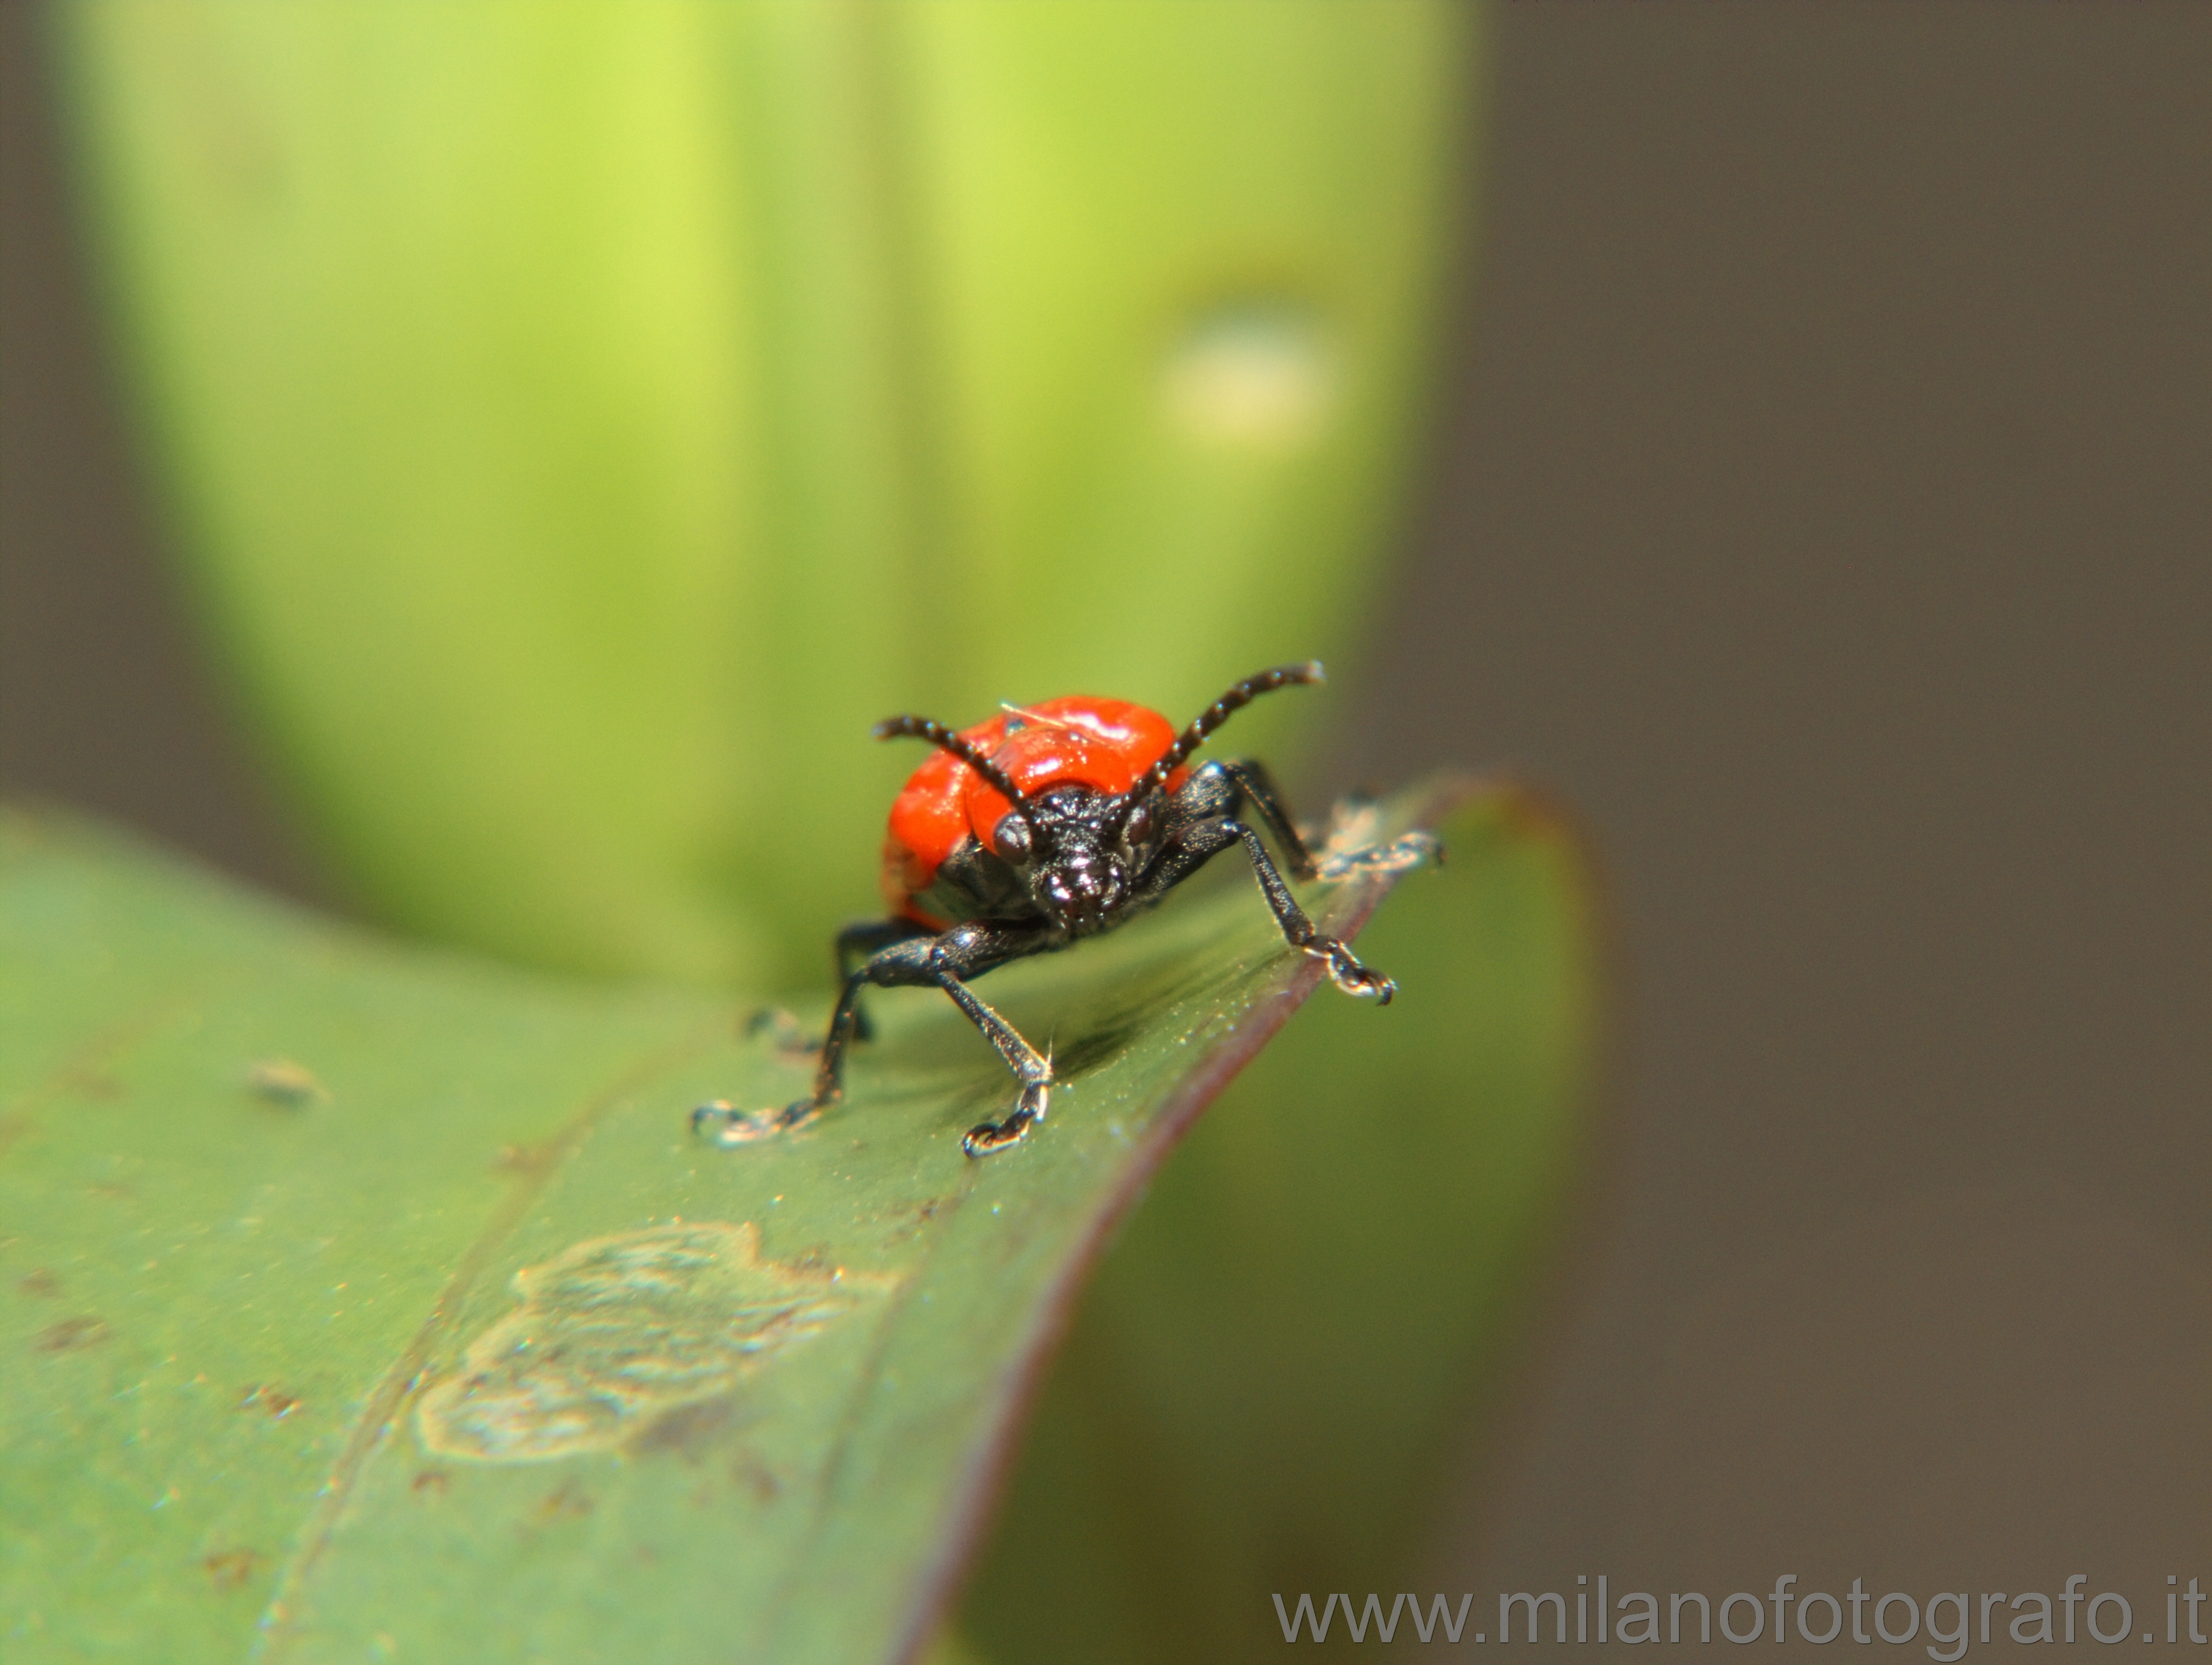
(583, 421)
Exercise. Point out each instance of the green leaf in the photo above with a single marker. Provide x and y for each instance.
(596, 417)
(360, 1300)
(1275, 1377)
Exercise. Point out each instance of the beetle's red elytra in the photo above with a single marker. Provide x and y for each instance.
(1024, 835)
(1077, 739)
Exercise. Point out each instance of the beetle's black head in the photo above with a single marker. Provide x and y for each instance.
(1080, 852)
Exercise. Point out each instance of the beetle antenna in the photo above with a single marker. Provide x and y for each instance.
(1242, 695)
(944, 739)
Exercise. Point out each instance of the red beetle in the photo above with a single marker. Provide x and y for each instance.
(1046, 825)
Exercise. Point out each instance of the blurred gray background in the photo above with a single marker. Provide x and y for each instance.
(1822, 507)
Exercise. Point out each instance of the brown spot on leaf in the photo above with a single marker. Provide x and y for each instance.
(112, 1192)
(281, 1082)
(231, 1569)
(273, 1399)
(687, 1432)
(926, 1210)
(615, 1333)
(39, 1283)
(72, 1334)
(566, 1502)
(90, 1083)
(432, 1483)
(522, 1158)
(758, 1478)
(14, 1127)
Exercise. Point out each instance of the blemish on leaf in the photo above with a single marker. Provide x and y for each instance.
(39, 1283)
(231, 1569)
(616, 1333)
(282, 1082)
(522, 1158)
(922, 1213)
(687, 1432)
(91, 1083)
(758, 1478)
(566, 1502)
(431, 1483)
(84, 1330)
(1252, 374)
(273, 1399)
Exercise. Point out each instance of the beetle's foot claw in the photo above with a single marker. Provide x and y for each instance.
(1347, 971)
(746, 1127)
(1344, 857)
(990, 1136)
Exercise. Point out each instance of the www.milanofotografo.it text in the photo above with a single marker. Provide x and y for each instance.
(1947, 1623)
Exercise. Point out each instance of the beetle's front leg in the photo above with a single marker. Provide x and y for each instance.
(969, 951)
(943, 960)
(1196, 844)
(743, 1127)
(1260, 791)
(1344, 967)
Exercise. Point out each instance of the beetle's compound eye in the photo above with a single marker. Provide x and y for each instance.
(1010, 838)
(1138, 830)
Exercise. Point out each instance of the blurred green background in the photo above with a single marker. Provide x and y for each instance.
(594, 417)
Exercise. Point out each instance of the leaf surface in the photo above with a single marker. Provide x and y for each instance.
(362, 1300)
(1279, 1374)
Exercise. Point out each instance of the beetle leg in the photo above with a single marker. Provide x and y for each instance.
(863, 940)
(969, 951)
(1259, 786)
(946, 961)
(1191, 845)
(1030, 1067)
